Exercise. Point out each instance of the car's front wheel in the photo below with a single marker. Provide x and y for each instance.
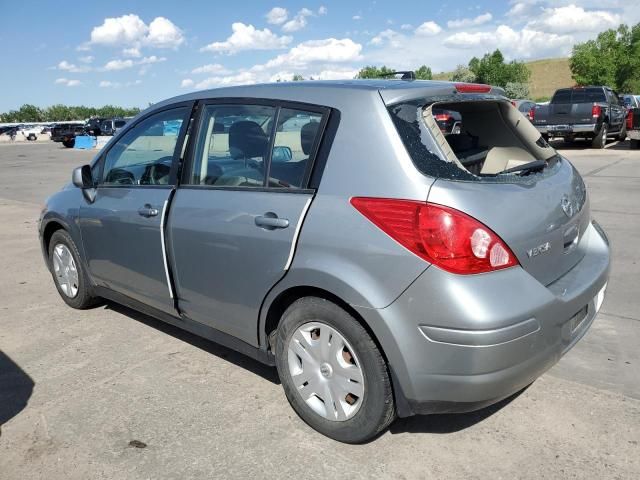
(67, 271)
(332, 371)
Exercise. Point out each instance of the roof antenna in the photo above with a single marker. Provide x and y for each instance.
(406, 74)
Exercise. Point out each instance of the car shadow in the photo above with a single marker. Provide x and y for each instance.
(449, 422)
(580, 144)
(16, 388)
(243, 361)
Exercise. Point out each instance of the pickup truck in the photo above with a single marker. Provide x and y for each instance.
(66, 133)
(592, 113)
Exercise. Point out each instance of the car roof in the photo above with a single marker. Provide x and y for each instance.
(330, 93)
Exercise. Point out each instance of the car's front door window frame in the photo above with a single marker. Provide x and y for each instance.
(177, 151)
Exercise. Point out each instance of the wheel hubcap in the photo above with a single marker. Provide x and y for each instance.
(326, 371)
(65, 270)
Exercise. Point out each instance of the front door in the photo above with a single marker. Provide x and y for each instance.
(122, 229)
(235, 217)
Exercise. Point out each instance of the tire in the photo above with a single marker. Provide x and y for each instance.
(600, 140)
(370, 413)
(69, 143)
(634, 144)
(62, 243)
(622, 136)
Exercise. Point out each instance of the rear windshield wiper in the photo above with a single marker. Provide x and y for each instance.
(535, 166)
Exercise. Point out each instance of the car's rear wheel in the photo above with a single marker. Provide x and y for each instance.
(68, 273)
(69, 143)
(600, 140)
(332, 371)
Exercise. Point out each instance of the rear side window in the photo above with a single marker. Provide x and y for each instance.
(254, 146)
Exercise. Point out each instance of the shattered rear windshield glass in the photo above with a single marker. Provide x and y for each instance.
(464, 153)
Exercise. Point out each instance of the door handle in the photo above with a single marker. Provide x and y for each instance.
(270, 221)
(148, 211)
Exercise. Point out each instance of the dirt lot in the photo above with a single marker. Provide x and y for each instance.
(77, 387)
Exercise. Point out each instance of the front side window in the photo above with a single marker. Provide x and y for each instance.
(143, 156)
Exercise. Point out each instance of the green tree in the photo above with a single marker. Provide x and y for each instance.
(463, 74)
(516, 90)
(424, 73)
(371, 71)
(297, 77)
(493, 70)
(612, 59)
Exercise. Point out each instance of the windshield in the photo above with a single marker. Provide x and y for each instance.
(469, 140)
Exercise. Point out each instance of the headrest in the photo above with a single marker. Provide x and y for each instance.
(247, 140)
(308, 135)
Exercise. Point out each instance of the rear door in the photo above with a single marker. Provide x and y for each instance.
(122, 228)
(236, 216)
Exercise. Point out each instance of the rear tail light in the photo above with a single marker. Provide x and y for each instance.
(443, 117)
(596, 110)
(630, 120)
(472, 88)
(532, 114)
(440, 235)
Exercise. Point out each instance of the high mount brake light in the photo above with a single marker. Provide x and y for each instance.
(440, 235)
(472, 88)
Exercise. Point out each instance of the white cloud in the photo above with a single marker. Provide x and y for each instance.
(518, 9)
(70, 67)
(67, 82)
(357, 17)
(241, 78)
(573, 19)
(428, 29)
(346, 74)
(322, 10)
(298, 22)
(470, 22)
(524, 43)
(247, 37)
(277, 16)
(327, 50)
(150, 60)
(132, 31)
(126, 29)
(163, 33)
(133, 52)
(406, 26)
(186, 83)
(388, 35)
(214, 68)
(86, 59)
(109, 84)
(117, 64)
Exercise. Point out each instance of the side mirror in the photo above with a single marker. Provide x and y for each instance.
(281, 154)
(82, 177)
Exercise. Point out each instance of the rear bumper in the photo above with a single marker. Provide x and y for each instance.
(459, 343)
(590, 128)
(633, 134)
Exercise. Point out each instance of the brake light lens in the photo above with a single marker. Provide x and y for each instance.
(443, 117)
(440, 235)
(630, 120)
(596, 110)
(532, 114)
(472, 88)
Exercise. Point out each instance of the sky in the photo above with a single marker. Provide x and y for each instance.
(139, 52)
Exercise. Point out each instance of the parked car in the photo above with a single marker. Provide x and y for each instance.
(525, 107)
(632, 102)
(112, 126)
(31, 132)
(376, 272)
(94, 126)
(66, 133)
(593, 113)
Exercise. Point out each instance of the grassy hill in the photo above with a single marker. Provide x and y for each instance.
(546, 77)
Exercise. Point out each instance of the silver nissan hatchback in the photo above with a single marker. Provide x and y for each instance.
(384, 266)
